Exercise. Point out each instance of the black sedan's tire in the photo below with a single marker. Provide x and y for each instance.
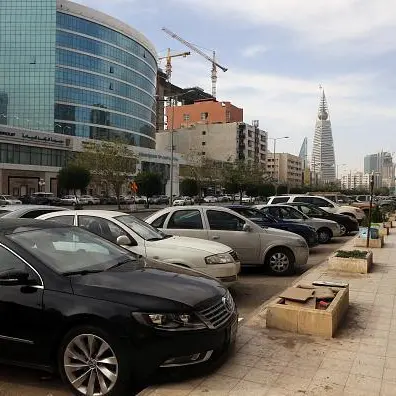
(324, 235)
(344, 230)
(92, 362)
(280, 261)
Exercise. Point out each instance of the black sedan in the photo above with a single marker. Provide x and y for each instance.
(265, 220)
(347, 224)
(74, 302)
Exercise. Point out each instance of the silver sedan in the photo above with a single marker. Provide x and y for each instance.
(280, 251)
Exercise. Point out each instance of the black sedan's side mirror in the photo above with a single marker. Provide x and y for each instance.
(14, 277)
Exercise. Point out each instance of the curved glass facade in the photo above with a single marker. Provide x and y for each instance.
(104, 83)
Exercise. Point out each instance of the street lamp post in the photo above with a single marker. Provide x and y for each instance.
(274, 156)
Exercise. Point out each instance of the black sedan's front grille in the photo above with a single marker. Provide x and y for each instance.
(218, 314)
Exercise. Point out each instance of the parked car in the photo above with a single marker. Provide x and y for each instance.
(75, 303)
(159, 200)
(347, 224)
(246, 199)
(326, 229)
(27, 211)
(73, 200)
(41, 198)
(280, 251)
(108, 200)
(90, 200)
(9, 200)
(265, 220)
(140, 200)
(211, 258)
(210, 199)
(183, 201)
(322, 202)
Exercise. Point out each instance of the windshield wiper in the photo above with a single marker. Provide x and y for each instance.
(121, 262)
(155, 239)
(81, 272)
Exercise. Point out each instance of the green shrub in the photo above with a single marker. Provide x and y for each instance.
(357, 254)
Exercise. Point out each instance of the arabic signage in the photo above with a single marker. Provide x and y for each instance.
(34, 137)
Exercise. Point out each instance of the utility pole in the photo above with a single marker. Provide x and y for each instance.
(370, 209)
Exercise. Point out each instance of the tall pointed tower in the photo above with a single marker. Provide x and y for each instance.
(304, 153)
(323, 157)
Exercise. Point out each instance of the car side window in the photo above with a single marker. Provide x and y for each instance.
(303, 199)
(159, 221)
(321, 202)
(9, 261)
(67, 219)
(32, 214)
(102, 227)
(277, 200)
(186, 219)
(273, 211)
(219, 220)
(289, 213)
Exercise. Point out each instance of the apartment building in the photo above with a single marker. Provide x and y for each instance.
(286, 168)
(219, 142)
(383, 167)
(206, 110)
(357, 181)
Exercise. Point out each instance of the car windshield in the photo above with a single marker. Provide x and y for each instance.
(249, 212)
(71, 249)
(313, 210)
(143, 229)
(8, 197)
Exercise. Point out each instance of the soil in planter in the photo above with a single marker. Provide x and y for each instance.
(356, 254)
(321, 297)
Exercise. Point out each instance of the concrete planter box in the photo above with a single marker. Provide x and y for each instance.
(393, 224)
(355, 265)
(388, 224)
(298, 319)
(383, 231)
(373, 243)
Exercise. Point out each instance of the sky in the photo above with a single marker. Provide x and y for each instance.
(277, 53)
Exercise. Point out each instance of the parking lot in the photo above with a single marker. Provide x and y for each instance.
(253, 289)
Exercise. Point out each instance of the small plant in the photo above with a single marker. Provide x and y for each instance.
(356, 254)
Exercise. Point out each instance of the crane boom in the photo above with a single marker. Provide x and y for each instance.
(169, 57)
(198, 51)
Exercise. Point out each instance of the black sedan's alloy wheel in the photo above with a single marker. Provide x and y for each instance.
(343, 229)
(324, 235)
(90, 363)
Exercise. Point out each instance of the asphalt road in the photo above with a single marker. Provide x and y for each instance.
(253, 289)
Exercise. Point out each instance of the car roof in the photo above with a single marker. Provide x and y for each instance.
(9, 225)
(104, 213)
(239, 206)
(11, 208)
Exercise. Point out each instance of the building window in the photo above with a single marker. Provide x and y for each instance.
(250, 153)
(204, 116)
(111, 86)
(186, 117)
(203, 132)
(203, 153)
(111, 69)
(203, 143)
(262, 147)
(262, 138)
(250, 143)
(250, 134)
(228, 116)
(263, 157)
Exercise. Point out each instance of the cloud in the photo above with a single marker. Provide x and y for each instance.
(315, 22)
(253, 50)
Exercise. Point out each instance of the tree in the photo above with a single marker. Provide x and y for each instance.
(74, 177)
(149, 184)
(112, 163)
(241, 176)
(189, 187)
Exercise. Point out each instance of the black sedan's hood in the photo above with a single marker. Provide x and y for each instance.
(149, 284)
(279, 224)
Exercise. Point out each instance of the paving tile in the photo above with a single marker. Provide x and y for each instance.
(388, 389)
(233, 370)
(293, 383)
(391, 350)
(245, 359)
(324, 389)
(331, 376)
(276, 391)
(302, 371)
(345, 345)
(376, 333)
(257, 350)
(336, 364)
(380, 341)
(363, 383)
(342, 355)
(263, 377)
(215, 385)
(377, 361)
(278, 366)
(367, 370)
(390, 375)
(378, 324)
(348, 391)
(312, 362)
(375, 350)
(249, 388)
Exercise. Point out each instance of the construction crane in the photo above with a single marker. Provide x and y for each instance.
(168, 57)
(212, 60)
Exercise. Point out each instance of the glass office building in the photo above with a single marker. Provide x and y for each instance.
(67, 73)
(70, 69)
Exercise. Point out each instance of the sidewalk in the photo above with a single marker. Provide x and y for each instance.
(359, 361)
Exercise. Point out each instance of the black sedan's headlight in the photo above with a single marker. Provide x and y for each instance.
(170, 321)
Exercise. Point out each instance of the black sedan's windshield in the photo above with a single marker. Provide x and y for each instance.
(72, 250)
(143, 229)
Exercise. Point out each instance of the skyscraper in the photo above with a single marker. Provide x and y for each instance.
(323, 158)
(304, 153)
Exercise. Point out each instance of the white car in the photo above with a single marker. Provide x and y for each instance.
(9, 200)
(183, 201)
(73, 200)
(90, 200)
(278, 250)
(210, 199)
(246, 199)
(322, 202)
(212, 258)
